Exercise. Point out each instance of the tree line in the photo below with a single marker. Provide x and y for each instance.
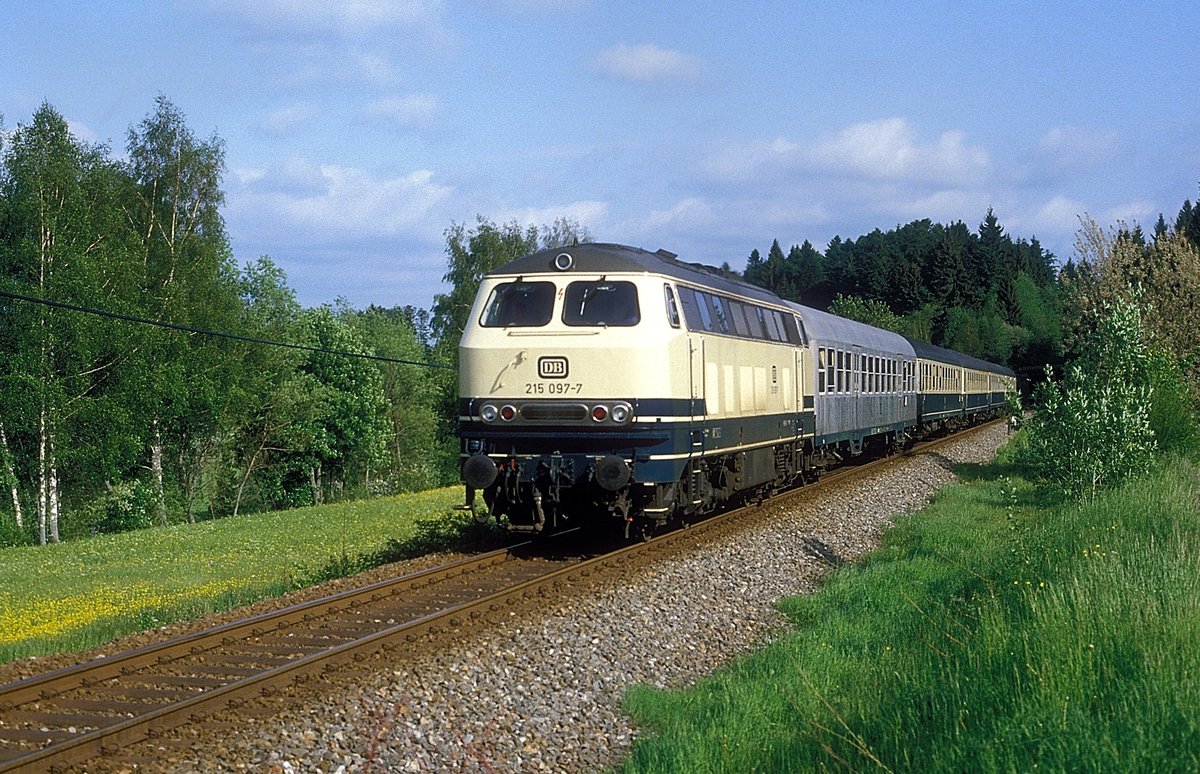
(978, 291)
(109, 424)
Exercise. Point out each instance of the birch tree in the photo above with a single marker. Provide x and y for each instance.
(9, 475)
(186, 277)
(57, 244)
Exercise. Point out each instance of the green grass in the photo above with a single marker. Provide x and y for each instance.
(75, 595)
(999, 630)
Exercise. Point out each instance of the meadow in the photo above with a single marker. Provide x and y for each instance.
(1001, 629)
(76, 595)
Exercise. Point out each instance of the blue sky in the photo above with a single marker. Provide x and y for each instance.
(357, 132)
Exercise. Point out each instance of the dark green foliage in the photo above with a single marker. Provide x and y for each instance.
(983, 292)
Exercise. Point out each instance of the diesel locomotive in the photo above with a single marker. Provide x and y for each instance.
(605, 384)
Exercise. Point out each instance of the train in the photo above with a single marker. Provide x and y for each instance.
(606, 386)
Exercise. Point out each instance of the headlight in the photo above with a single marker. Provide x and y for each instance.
(489, 412)
(621, 413)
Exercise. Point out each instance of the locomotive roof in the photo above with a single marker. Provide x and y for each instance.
(929, 351)
(604, 258)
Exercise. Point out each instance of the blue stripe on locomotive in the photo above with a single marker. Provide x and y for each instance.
(660, 450)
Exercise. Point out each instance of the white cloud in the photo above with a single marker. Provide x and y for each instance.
(1141, 212)
(753, 161)
(944, 206)
(888, 149)
(288, 118)
(693, 212)
(1059, 216)
(646, 63)
(412, 109)
(345, 16)
(587, 213)
(330, 201)
(1073, 147)
(82, 132)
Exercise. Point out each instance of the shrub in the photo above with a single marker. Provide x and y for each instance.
(1093, 430)
(125, 506)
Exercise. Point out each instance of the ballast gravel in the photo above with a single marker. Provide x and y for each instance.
(542, 691)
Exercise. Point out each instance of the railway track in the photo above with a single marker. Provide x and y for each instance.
(68, 718)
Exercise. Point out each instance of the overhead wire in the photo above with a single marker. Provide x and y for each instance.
(217, 334)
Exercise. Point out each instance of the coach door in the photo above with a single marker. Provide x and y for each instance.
(854, 410)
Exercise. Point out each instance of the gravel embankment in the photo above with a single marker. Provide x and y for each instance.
(542, 691)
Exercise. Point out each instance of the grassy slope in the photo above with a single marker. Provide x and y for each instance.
(996, 631)
(82, 593)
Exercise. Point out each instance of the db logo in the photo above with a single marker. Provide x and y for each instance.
(552, 367)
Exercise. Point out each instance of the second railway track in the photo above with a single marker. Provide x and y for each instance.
(66, 718)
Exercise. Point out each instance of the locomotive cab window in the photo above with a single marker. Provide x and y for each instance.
(672, 309)
(601, 302)
(519, 305)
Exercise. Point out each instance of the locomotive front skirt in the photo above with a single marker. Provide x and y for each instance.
(600, 382)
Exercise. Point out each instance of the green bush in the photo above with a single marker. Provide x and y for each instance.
(1093, 430)
(1174, 415)
(126, 505)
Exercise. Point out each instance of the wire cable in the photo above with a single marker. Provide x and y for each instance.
(217, 334)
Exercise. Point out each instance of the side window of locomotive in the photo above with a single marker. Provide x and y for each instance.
(672, 310)
(754, 317)
(769, 319)
(737, 318)
(720, 313)
(796, 334)
(706, 320)
(519, 305)
(601, 302)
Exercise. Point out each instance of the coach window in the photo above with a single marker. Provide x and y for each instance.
(601, 302)
(672, 309)
(820, 369)
(519, 305)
